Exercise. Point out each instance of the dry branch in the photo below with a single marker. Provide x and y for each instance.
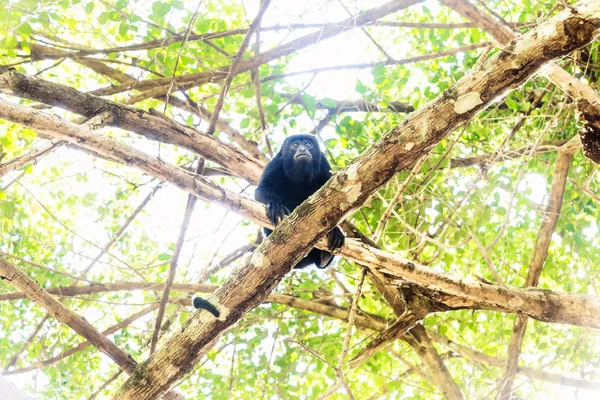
(185, 104)
(34, 292)
(81, 346)
(532, 373)
(395, 266)
(544, 147)
(402, 61)
(187, 215)
(354, 105)
(540, 252)
(194, 184)
(29, 158)
(568, 312)
(121, 230)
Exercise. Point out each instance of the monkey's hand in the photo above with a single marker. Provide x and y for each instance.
(335, 239)
(276, 212)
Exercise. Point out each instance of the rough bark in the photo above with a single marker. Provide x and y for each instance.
(590, 132)
(36, 293)
(366, 321)
(29, 158)
(151, 125)
(512, 300)
(250, 284)
(72, 133)
(588, 100)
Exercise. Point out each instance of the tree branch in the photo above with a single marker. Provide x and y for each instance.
(540, 252)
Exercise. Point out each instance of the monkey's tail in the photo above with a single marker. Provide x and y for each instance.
(199, 302)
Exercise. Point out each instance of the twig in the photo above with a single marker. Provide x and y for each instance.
(235, 66)
(404, 61)
(105, 384)
(399, 193)
(189, 209)
(81, 346)
(30, 158)
(121, 230)
(13, 360)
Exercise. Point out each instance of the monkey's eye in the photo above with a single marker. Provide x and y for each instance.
(294, 145)
(308, 145)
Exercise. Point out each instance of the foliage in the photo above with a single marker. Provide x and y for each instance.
(59, 212)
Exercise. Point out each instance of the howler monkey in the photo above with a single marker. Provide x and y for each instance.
(298, 170)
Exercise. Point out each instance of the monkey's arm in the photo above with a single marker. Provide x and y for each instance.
(270, 191)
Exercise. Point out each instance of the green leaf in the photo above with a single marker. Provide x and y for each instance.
(28, 134)
(443, 329)
(164, 257)
(24, 29)
(310, 103)
(379, 70)
(89, 7)
(160, 9)
(511, 103)
(329, 103)
(121, 4)
(10, 42)
(123, 28)
(103, 18)
(114, 16)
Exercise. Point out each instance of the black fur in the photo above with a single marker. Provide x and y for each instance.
(206, 305)
(296, 172)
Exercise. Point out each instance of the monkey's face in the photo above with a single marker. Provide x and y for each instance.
(302, 150)
(301, 156)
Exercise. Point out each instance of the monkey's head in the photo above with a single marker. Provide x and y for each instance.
(301, 158)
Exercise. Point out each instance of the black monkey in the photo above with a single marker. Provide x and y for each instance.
(298, 170)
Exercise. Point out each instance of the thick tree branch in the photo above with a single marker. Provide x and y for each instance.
(561, 78)
(34, 292)
(29, 158)
(151, 125)
(184, 104)
(81, 346)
